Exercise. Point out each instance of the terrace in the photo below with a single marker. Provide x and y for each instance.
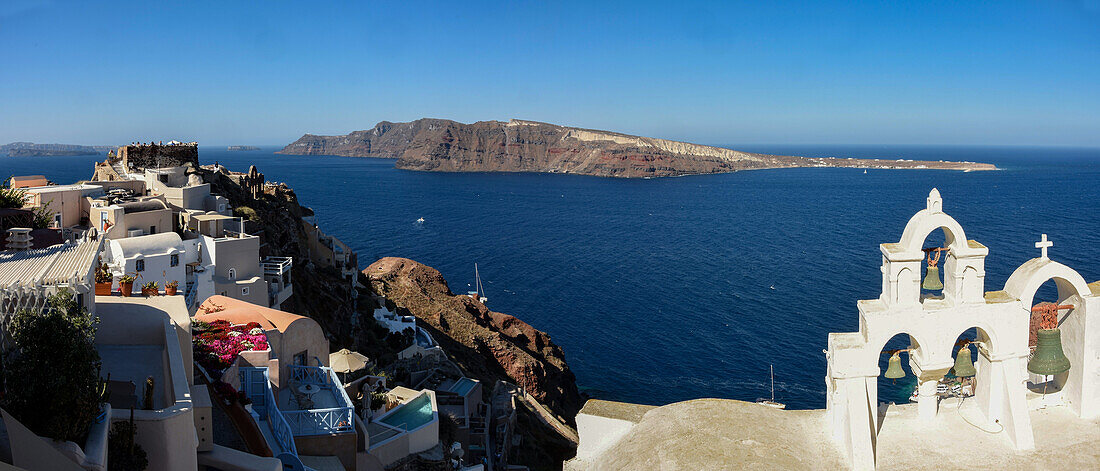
(277, 273)
(314, 402)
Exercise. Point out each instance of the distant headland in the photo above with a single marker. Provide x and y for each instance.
(30, 149)
(528, 146)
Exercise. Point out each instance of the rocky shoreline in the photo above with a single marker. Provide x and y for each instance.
(527, 146)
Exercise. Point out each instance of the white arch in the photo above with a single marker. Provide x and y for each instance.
(881, 341)
(929, 219)
(1026, 280)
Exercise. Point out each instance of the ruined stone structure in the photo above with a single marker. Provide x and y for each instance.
(253, 182)
(136, 157)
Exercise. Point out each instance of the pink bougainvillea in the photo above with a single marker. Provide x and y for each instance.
(217, 344)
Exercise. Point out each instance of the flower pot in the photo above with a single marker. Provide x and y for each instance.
(149, 292)
(169, 290)
(126, 288)
(103, 289)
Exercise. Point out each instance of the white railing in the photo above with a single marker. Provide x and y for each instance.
(321, 421)
(284, 436)
(276, 265)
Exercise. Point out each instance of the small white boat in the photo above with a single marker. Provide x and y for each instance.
(865, 171)
(480, 293)
(420, 221)
(771, 402)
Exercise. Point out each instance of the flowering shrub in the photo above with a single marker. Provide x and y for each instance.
(218, 343)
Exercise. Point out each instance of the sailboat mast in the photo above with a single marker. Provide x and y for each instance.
(771, 371)
(477, 281)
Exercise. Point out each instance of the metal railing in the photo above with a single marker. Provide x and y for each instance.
(269, 410)
(321, 421)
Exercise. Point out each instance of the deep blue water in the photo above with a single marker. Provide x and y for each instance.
(660, 290)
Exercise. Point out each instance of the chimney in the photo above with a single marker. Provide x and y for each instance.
(19, 238)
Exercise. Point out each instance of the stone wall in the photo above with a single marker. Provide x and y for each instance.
(157, 156)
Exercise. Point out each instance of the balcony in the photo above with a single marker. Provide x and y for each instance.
(327, 410)
(279, 285)
(257, 385)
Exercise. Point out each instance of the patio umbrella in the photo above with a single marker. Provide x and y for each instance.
(346, 361)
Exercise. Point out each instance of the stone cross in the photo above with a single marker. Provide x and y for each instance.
(1044, 245)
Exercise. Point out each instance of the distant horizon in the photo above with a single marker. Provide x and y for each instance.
(728, 146)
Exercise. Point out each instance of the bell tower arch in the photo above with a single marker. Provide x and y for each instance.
(963, 271)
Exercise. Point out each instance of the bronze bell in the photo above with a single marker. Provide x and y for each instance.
(1048, 358)
(932, 279)
(964, 366)
(894, 371)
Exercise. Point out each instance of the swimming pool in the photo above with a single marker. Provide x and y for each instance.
(463, 386)
(411, 415)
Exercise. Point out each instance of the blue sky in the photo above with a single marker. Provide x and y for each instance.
(265, 72)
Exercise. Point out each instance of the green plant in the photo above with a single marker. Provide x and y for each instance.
(246, 213)
(377, 400)
(12, 198)
(147, 394)
(151, 285)
(51, 375)
(102, 274)
(126, 279)
(172, 284)
(122, 453)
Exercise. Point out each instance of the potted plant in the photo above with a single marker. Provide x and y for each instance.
(150, 289)
(126, 284)
(170, 288)
(103, 278)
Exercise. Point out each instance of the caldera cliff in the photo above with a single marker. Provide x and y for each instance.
(530, 146)
(488, 345)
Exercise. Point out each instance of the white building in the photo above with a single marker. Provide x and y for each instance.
(213, 261)
(933, 323)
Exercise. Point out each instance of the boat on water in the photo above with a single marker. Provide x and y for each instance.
(420, 221)
(771, 402)
(479, 293)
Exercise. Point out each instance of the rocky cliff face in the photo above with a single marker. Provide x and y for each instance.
(488, 345)
(529, 146)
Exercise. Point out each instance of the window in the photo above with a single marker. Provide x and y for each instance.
(232, 274)
(175, 260)
(244, 291)
(57, 220)
(152, 229)
(300, 358)
(139, 265)
(163, 177)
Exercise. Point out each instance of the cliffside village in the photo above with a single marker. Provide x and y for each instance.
(197, 353)
(203, 363)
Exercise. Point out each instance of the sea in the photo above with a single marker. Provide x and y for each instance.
(670, 289)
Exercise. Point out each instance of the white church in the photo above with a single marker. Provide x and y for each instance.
(1006, 395)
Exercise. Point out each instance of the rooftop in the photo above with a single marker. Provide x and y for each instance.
(241, 312)
(52, 265)
(54, 188)
(24, 181)
(721, 433)
(149, 244)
